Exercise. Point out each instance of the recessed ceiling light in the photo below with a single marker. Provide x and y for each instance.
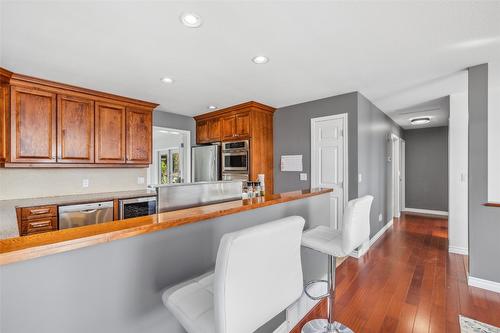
(260, 59)
(212, 107)
(167, 80)
(191, 20)
(420, 120)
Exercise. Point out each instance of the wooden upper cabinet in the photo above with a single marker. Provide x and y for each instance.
(242, 123)
(109, 133)
(236, 126)
(214, 129)
(4, 109)
(33, 125)
(228, 127)
(202, 131)
(49, 124)
(139, 136)
(75, 129)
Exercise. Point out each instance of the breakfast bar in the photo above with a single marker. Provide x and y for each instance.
(109, 276)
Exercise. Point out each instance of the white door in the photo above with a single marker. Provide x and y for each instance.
(328, 158)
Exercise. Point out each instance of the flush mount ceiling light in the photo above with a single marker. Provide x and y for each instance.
(191, 20)
(212, 107)
(420, 120)
(167, 80)
(260, 59)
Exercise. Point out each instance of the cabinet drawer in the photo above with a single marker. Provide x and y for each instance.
(38, 212)
(39, 225)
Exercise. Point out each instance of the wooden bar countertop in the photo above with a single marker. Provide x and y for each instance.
(33, 246)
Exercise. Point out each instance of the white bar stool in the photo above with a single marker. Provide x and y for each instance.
(355, 230)
(258, 274)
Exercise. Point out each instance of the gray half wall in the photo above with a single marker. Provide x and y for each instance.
(427, 168)
(374, 147)
(116, 287)
(484, 222)
(175, 121)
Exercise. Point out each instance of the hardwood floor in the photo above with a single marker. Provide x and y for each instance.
(408, 282)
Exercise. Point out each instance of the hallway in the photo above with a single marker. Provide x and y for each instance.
(408, 282)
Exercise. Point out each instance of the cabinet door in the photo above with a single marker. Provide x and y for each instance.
(4, 109)
(75, 129)
(139, 136)
(243, 124)
(202, 131)
(214, 129)
(109, 133)
(228, 127)
(33, 125)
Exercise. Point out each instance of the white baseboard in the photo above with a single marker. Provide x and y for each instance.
(458, 250)
(483, 284)
(366, 245)
(425, 211)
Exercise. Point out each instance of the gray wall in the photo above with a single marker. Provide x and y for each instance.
(374, 147)
(116, 287)
(176, 121)
(369, 129)
(292, 136)
(427, 168)
(484, 222)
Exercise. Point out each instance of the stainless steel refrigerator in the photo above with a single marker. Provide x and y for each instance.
(205, 163)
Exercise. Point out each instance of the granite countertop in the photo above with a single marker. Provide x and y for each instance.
(8, 220)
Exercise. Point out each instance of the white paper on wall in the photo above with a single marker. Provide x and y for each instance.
(291, 163)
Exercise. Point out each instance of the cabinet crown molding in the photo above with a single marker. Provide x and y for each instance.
(243, 106)
(9, 77)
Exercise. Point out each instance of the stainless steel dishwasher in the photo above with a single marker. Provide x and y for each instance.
(72, 216)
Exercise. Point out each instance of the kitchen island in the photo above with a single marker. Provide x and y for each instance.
(109, 277)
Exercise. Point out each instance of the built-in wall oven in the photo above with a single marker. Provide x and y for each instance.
(235, 160)
(136, 207)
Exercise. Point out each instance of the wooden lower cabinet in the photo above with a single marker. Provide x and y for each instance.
(75, 129)
(33, 125)
(35, 220)
(139, 136)
(109, 133)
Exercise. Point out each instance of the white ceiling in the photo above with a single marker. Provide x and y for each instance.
(438, 110)
(389, 51)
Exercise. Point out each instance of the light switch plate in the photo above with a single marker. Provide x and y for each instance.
(380, 217)
(360, 178)
(140, 180)
(303, 176)
(85, 183)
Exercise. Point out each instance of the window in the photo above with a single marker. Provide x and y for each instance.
(170, 166)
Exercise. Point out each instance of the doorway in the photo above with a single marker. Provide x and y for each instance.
(171, 156)
(329, 160)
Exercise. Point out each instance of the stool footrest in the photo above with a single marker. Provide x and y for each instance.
(316, 298)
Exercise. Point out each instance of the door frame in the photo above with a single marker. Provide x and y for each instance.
(395, 176)
(314, 176)
(402, 166)
(187, 133)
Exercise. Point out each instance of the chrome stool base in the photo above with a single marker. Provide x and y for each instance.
(321, 326)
